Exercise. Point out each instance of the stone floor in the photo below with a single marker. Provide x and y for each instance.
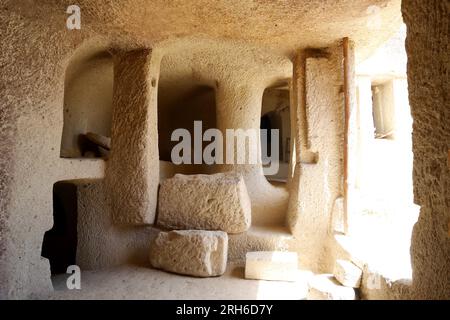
(133, 282)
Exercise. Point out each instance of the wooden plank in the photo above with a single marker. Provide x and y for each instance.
(345, 45)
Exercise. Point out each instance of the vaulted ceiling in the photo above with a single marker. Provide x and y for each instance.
(282, 26)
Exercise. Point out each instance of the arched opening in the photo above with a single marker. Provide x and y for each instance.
(275, 115)
(183, 101)
(88, 93)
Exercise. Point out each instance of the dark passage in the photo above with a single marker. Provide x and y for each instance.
(60, 242)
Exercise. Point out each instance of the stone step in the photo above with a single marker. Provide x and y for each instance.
(326, 287)
(271, 265)
(259, 239)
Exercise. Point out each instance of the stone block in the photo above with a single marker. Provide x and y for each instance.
(271, 265)
(326, 287)
(205, 202)
(191, 252)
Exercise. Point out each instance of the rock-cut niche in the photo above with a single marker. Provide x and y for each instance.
(88, 94)
(182, 100)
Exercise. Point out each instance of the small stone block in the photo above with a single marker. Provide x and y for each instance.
(326, 287)
(271, 265)
(347, 273)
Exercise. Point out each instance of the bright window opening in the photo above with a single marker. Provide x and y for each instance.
(383, 212)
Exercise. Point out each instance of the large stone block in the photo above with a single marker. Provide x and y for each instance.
(132, 173)
(347, 273)
(326, 287)
(191, 252)
(206, 202)
(271, 265)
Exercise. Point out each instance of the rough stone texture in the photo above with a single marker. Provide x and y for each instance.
(375, 286)
(101, 243)
(347, 273)
(272, 265)
(88, 94)
(192, 252)
(209, 202)
(240, 21)
(318, 107)
(239, 81)
(427, 45)
(133, 168)
(259, 239)
(32, 94)
(325, 287)
(36, 149)
(30, 129)
(239, 106)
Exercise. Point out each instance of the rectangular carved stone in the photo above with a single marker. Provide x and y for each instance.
(271, 265)
(207, 202)
(192, 252)
(326, 287)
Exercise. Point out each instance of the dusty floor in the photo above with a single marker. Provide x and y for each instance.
(132, 282)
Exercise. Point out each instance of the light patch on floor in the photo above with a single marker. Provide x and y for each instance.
(132, 282)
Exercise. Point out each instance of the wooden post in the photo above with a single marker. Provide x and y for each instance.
(300, 91)
(347, 128)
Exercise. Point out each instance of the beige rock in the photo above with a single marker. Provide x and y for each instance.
(347, 273)
(192, 252)
(326, 287)
(271, 265)
(132, 173)
(208, 202)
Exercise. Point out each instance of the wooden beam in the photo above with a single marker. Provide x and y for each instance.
(345, 46)
(448, 159)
